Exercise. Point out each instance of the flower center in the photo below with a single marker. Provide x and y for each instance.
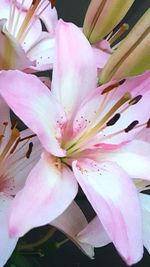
(20, 29)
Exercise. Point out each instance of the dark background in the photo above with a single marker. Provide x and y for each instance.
(69, 255)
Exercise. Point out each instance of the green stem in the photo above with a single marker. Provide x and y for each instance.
(33, 245)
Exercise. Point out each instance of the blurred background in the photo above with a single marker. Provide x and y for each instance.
(68, 255)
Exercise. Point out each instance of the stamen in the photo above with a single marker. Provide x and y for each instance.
(27, 137)
(5, 123)
(14, 135)
(15, 146)
(99, 126)
(132, 102)
(18, 17)
(113, 120)
(135, 100)
(27, 19)
(28, 154)
(119, 103)
(124, 27)
(31, 15)
(112, 86)
(148, 124)
(131, 126)
(11, 14)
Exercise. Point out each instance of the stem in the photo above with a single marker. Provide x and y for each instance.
(45, 238)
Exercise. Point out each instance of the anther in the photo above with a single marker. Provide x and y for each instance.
(122, 81)
(53, 2)
(131, 126)
(28, 154)
(113, 120)
(110, 88)
(135, 100)
(148, 124)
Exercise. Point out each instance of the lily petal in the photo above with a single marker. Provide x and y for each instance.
(34, 103)
(49, 18)
(114, 198)
(49, 190)
(71, 222)
(134, 158)
(42, 52)
(75, 72)
(94, 234)
(145, 205)
(18, 166)
(7, 244)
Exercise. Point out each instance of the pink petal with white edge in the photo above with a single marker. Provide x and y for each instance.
(94, 234)
(145, 205)
(71, 222)
(34, 103)
(75, 72)
(7, 244)
(49, 190)
(133, 158)
(114, 198)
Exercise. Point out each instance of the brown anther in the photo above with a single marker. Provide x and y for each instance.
(122, 81)
(28, 154)
(135, 100)
(131, 126)
(53, 3)
(110, 88)
(113, 120)
(148, 124)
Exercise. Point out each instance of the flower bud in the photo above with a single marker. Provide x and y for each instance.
(102, 16)
(132, 56)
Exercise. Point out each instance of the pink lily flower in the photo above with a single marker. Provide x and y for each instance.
(15, 164)
(81, 129)
(21, 33)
